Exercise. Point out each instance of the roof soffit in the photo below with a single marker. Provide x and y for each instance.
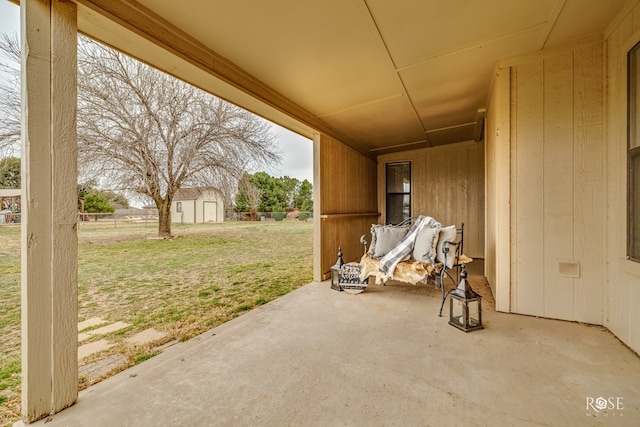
(372, 73)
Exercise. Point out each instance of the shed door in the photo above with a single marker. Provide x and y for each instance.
(210, 212)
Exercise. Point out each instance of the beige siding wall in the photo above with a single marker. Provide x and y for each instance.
(623, 276)
(497, 184)
(447, 183)
(345, 203)
(557, 185)
(186, 214)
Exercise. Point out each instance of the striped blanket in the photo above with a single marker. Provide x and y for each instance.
(389, 262)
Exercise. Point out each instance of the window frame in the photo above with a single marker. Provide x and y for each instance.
(633, 151)
(633, 252)
(397, 193)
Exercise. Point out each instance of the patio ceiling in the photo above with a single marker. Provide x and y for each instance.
(379, 75)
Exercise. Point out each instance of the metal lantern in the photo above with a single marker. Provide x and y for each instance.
(465, 309)
(335, 271)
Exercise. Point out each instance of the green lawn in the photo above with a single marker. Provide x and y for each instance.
(205, 276)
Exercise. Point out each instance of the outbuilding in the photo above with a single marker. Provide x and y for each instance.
(197, 206)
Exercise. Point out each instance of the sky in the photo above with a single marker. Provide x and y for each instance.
(297, 151)
(297, 155)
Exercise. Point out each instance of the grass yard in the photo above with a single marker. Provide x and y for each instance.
(206, 276)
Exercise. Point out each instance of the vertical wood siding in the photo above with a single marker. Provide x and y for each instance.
(527, 172)
(497, 163)
(447, 183)
(346, 186)
(623, 276)
(557, 188)
(590, 183)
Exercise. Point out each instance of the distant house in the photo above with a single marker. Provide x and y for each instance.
(9, 195)
(9, 205)
(197, 205)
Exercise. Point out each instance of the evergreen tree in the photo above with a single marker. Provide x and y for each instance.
(96, 202)
(276, 194)
(10, 172)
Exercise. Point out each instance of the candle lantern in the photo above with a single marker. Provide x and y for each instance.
(465, 309)
(335, 271)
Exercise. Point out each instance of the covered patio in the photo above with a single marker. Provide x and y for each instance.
(383, 357)
(508, 116)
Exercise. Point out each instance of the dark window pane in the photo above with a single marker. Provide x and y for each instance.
(634, 97)
(398, 208)
(634, 202)
(633, 155)
(398, 177)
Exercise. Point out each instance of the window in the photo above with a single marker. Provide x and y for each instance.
(398, 192)
(633, 156)
(178, 206)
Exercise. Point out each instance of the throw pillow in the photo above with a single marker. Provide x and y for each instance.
(384, 238)
(424, 249)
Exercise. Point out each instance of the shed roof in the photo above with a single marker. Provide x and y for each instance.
(186, 194)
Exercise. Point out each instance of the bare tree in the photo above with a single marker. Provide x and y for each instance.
(147, 132)
(9, 95)
(252, 195)
(143, 131)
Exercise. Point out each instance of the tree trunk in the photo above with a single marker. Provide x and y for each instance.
(164, 219)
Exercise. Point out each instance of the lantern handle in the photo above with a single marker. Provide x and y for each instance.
(340, 262)
(363, 242)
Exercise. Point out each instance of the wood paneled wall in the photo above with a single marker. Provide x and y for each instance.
(557, 185)
(622, 316)
(447, 184)
(345, 202)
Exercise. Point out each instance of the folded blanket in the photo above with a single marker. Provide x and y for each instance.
(389, 262)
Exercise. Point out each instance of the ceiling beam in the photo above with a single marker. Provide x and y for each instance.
(376, 30)
(474, 46)
(551, 22)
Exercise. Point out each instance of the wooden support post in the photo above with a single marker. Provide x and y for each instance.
(49, 219)
(317, 210)
(502, 171)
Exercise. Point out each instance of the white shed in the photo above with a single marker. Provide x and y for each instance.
(197, 205)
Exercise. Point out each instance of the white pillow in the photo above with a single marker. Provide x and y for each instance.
(424, 249)
(384, 238)
(447, 234)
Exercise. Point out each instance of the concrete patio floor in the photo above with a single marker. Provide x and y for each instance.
(381, 358)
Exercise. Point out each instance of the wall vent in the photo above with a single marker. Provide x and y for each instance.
(569, 268)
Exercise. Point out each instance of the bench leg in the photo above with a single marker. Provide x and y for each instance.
(444, 295)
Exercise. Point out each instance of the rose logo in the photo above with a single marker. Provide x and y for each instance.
(601, 403)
